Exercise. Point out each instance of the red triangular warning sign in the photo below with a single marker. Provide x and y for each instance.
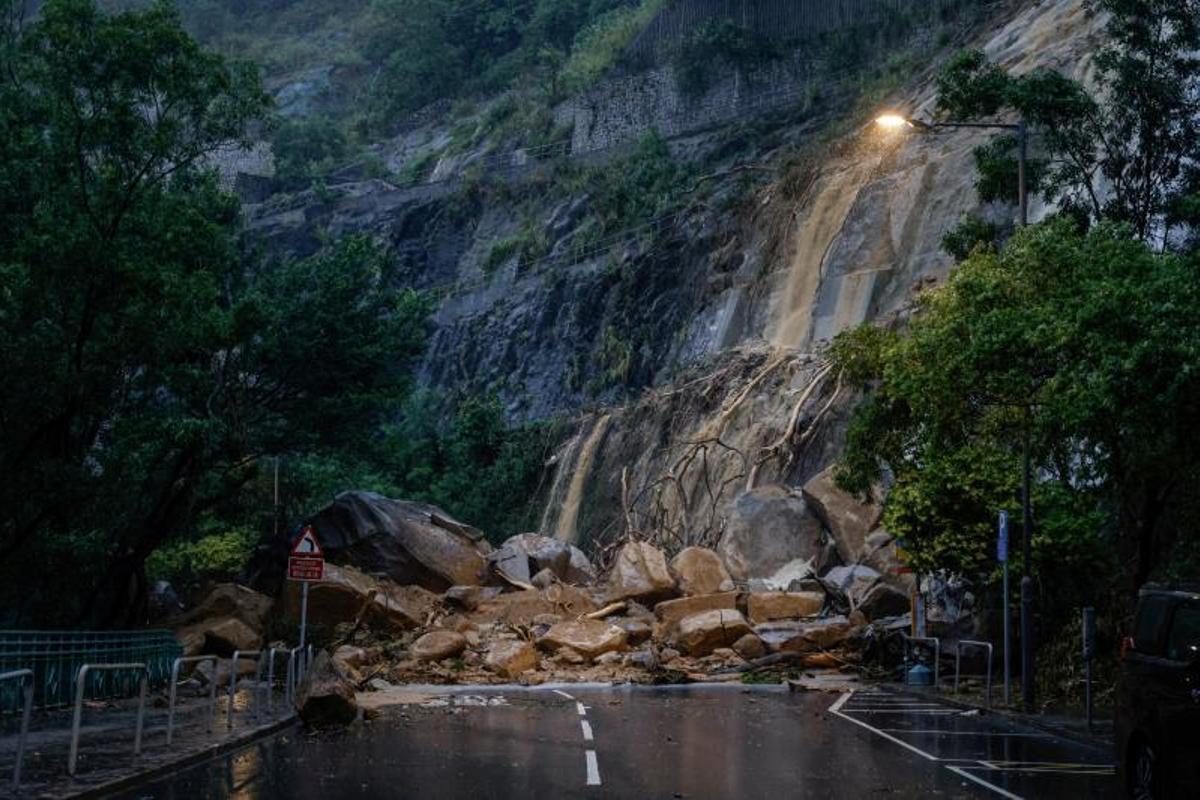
(307, 545)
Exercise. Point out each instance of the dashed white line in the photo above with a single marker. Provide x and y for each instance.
(561, 693)
(582, 709)
(587, 730)
(593, 769)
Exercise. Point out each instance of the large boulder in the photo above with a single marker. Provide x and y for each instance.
(640, 572)
(511, 657)
(805, 637)
(699, 570)
(230, 617)
(768, 527)
(883, 600)
(853, 581)
(588, 637)
(670, 612)
(410, 543)
(881, 553)
(326, 697)
(848, 519)
(769, 606)
(438, 645)
(702, 633)
(522, 608)
(344, 592)
(225, 636)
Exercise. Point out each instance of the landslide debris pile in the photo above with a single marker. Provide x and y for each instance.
(414, 597)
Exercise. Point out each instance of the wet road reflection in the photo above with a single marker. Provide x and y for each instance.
(690, 742)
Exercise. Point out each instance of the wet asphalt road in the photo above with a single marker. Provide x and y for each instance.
(682, 742)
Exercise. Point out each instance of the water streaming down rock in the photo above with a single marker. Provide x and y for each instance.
(565, 527)
(562, 511)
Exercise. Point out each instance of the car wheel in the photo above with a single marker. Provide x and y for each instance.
(1143, 773)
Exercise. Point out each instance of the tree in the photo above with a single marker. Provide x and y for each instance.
(1121, 152)
(1080, 346)
(150, 364)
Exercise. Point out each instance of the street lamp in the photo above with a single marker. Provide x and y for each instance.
(893, 121)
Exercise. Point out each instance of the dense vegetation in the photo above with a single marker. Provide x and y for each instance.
(1076, 341)
(155, 368)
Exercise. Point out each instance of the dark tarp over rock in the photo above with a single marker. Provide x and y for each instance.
(410, 543)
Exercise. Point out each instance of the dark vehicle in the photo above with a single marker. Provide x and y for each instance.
(1158, 699)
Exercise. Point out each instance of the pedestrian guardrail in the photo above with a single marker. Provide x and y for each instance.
(958, 648)
(271, 654)
(77, 720)
(24, 677)
(212, 691)
(910, 642)
(55, 658)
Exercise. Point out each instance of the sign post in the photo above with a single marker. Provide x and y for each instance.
(306, 563)
(1002, 557)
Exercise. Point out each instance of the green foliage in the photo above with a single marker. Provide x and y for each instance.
(432, 49)
(1130, 136)
(971, 232)
(715, 47)
(601, 45)
(528, 245)
(650, 182)
(1076, 345)
(306, 149)
(217, 556)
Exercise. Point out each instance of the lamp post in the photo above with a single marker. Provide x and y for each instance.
(899, 122)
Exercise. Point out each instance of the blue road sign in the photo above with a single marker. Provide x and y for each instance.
(1002, 540)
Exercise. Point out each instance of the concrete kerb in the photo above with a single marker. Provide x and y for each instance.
(190, 759)
(1031, 720)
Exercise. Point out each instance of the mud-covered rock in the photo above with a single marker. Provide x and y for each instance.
(769, 606)
(700, 634)
(803, 637)
(230, 617)
(699, 570)
(510, 657)
(640, 572)
(410, 543)
(438, 645)
(768, 527)
(750, 647)
(344, 592)
(589, 638)
(326, 697)
(670, 612)
(225, 636)
(846, 517)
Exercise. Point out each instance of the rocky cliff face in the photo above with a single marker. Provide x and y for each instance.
(690, 350)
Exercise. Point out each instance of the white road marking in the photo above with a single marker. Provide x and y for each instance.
(582, 709)
(836, 709)
(561, 693)
(982, 782)
(587, 730)
(593, 769)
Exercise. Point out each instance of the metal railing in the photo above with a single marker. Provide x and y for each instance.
(55, 658)
(77, 720)
(910, 642)
(212, 691)
(25, 678)
(255, 705)
(958, 648)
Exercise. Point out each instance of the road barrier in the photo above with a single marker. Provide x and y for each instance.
(56, 656)
(77, 720)
(212, 691)
(25, 678)
(958, 648)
